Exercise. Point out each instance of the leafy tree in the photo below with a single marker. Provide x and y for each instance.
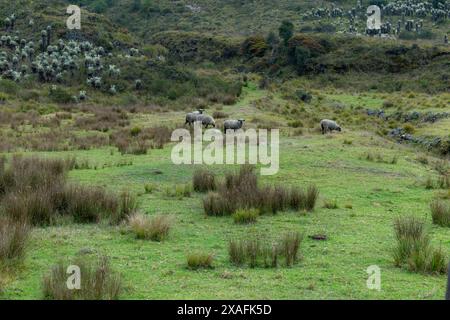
(302, 58)
(286, 31)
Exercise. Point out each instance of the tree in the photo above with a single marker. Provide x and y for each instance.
(286, 31)
(302, 57)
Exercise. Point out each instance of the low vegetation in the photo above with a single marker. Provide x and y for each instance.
(150, 228)
(241, 191)
(414, 250)
(246, 216)
(37, 191)
(98, 281)
(14, 235)
(200, 260)
(440, 213)
(204, 181)
(262, 253)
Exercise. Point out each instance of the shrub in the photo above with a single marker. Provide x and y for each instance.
(135, 131)
(14, 235)
(197, 261)
(159, 135)
(220, 114)
(312, 194)
(409, 128)
(254, 46)
(204, 180)
(36, 191)
(330, 204)
(245, 216)
(128, 206)
(60, 95)
(155, 229)
(289, 247)
(297, 199)
(241, 191)
(216, 205)
(413, 247)
(429, 183)
(303, 95)
(98, 282)
(86, 204)
(179, 191)
(440, 213)
(255, 252)
(150, 188)
(444, 181)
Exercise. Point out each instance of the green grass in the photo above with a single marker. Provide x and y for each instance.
(379, 192)
(332, 269)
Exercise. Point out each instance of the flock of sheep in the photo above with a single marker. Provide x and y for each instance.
(207, 120)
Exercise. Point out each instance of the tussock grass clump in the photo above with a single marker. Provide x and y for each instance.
(414, 249)
(85, 204)
(204, 180)
(258, 253)
(24, 174)
(200, 260)
(440, 213)
(150, 188)
(241, 191)
(97, 282)
(36, 190)
(138, 141)
(330, 204)
(136, 146)
(378, 157)
(155, 229)
(103, 120)
(245, 216)
(444, 181)
(429, 183)
(289, 246)
(312, 194)
(127, 206)
(14, 236)
(180, 191)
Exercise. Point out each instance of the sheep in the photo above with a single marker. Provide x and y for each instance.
(207, 121)
(233, 125)
(199, 111)
(193, 117)
(329, 125)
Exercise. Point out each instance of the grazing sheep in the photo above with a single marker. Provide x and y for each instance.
(447, 294)
(329, 125)
(207, 121)
(193, 117)
(233, 125)
(199, 111)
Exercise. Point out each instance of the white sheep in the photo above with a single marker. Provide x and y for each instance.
(207, 121)
(233, 125)
(329, 125)
(193, 117)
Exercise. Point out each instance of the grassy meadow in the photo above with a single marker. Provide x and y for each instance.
(369, 195)
(86, 175)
